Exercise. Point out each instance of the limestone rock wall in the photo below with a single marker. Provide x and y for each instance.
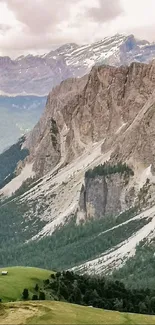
(100, 106)
(104, 196)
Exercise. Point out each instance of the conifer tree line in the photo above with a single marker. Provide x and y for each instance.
(108, 169)
(99, 292)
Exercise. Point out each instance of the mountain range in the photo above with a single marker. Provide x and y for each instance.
(78, 191)
(38, 74)
(26, 81)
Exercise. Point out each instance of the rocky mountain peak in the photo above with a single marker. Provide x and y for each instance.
(62, 50)
(5, 61)
(102, 106)
(38, 74)
(130, 44)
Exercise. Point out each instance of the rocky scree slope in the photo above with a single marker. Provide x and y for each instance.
(38, 74)
(106, 116)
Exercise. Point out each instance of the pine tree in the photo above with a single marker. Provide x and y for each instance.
(77, 295)
(36, 288)
(34, 297)
(25, 294)
(41, 295)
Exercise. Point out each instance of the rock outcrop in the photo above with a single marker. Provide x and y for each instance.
(105, 196)
(110, 105)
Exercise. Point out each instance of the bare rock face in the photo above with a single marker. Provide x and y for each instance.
(53, 138)
(138, 140)
(103, 106)
(138, 114)
(105, 196)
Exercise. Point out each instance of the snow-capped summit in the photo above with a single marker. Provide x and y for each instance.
(38, 74)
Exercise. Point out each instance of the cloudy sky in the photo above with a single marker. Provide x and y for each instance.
(37, 26)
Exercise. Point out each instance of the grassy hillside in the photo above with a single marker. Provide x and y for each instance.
(62, 313)
(18, 278)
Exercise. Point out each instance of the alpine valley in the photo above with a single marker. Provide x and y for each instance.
(78, 191)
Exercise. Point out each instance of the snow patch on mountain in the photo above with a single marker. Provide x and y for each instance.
(38, 74)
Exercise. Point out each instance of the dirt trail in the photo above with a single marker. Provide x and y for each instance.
(19, 315)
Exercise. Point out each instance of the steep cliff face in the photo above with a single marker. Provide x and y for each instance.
(53, 139)
(100, 106)
(138, 140)
(105, 196)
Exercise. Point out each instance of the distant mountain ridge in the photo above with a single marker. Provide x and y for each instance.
(39, 74)
(18, 115)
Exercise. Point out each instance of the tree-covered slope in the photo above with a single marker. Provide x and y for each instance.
(9, 160)
(139, 271)
(68, 246)
(99, 292)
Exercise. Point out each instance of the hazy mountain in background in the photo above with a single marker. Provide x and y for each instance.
(39, 74)
(18, 115)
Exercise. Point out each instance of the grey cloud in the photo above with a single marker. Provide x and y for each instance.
(145, 32)
(108, 10)
(4, 28)
(33, 42)
(47, 22)
(40, 15)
